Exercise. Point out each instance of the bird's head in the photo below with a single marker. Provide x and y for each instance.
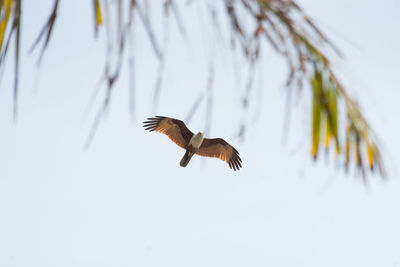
(200, 134)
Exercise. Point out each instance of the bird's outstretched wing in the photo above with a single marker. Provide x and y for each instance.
(175, 129)
(219, 148)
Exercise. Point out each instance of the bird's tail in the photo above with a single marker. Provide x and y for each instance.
(186, 158)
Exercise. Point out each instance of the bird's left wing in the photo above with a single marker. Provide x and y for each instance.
(219, 148)
(175, 129)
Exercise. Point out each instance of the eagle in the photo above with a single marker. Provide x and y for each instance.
(177, 131)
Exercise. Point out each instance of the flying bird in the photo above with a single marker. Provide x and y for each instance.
(177, 131)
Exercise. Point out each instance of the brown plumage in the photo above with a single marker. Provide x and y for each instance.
(219, 148)
(177, 131)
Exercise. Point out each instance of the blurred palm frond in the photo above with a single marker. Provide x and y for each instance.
(294, 35)
(10, 26)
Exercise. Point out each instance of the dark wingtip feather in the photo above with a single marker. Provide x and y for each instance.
(151, 123)
(235, 161)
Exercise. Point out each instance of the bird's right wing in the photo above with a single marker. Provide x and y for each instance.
(175, 129)
(219, 148)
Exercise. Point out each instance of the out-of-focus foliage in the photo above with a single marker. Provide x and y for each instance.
(359, 141)
(46, 31)
(10, 26)
(281, 23)
(98, 17)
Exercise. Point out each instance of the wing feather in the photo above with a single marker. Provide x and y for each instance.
(219, 148)
(175, 129)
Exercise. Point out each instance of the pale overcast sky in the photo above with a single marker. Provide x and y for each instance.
(127, 202)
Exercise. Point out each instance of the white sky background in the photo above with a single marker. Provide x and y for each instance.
(126, 201)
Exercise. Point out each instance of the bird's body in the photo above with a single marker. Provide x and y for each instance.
(177, 131)
(194, 145)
